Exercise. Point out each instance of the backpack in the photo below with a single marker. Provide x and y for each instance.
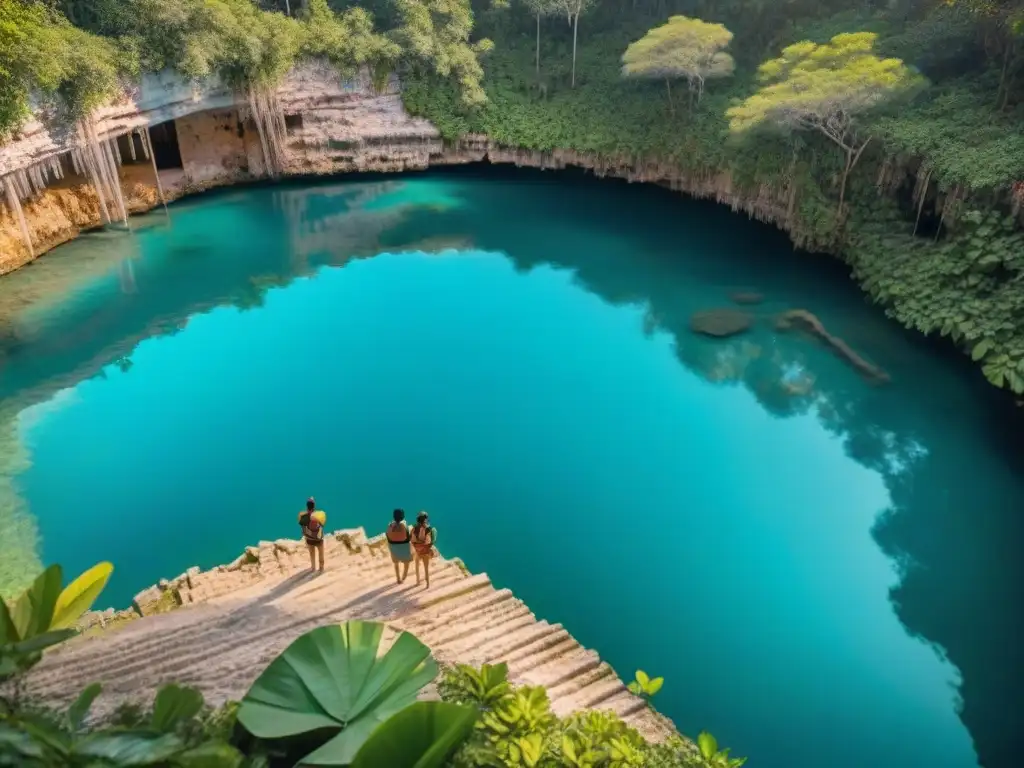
(310, 525)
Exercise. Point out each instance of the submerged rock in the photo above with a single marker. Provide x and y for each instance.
(720, 322)
(747, 297)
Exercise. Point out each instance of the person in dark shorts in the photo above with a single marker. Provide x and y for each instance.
(312, 521)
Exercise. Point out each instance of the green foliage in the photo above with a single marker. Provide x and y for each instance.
(41, 52)
(44, 616)
(966, 140)
(33, 739)
(347, 40)
(520, 729)
(683, 47)
(423, 735)
(331, 680)
(823, 87)
(435, 33)
(708, 746)
(592, 739)
(76, 69)
(644, 686)
(485, 687)
(969, 286)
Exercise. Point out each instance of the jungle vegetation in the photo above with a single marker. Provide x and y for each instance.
(889, 132)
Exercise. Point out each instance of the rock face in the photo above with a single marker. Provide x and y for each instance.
(234, 619)
(333, 125)
(720, 322)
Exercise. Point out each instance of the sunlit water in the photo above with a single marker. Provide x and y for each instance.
(821, 568)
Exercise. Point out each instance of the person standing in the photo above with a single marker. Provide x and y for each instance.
(397, 534)
(424, 536)
(312, 522)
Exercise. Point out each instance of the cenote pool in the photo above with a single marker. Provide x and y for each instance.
(827, 572)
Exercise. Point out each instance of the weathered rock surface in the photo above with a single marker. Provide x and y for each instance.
(334, 125)
(720, 322)
(233, 622)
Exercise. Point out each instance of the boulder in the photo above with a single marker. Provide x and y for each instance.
(720, 322)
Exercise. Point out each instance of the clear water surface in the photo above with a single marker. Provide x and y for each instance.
(825, 571)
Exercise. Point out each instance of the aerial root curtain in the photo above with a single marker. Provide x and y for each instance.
(268, 116)
(24, 184)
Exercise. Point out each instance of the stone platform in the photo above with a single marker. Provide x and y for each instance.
(218, 630)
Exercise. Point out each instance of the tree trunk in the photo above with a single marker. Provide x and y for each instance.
(668, 88)
(575, 27)
(287, 7)
(851, 160)
(538, 46)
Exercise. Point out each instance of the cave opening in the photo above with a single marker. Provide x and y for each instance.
(164, 137)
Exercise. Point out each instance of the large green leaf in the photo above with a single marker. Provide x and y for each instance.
(79, 710)
(8, 633)
(38, 643)
(79, 595)
(707, 744)
(331, 678)
(175, 704)
(212, 754)
(422, 735)
(129, 748)
(14, 741)
(34, 609)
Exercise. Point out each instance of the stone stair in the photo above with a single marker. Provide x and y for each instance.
(233, 620)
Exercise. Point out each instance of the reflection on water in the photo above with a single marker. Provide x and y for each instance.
(950, 533)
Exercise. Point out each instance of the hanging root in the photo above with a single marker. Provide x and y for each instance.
(14, 203)
(269, 119)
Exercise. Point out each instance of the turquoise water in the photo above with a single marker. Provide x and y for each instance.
(825, 571)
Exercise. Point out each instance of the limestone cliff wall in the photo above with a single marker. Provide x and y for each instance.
(333, 125)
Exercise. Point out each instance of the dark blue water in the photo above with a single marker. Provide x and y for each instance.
(825, 571)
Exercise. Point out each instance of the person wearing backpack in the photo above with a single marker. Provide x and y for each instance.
(312, 521)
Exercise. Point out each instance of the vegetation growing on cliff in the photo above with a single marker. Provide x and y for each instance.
(900, 199)
(923, 99)
(78, 66)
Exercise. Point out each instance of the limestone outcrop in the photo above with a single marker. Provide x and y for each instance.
(328, 125)
(219, 628)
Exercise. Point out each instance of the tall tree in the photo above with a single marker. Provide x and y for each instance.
(683, 47)
(573, 9)
(826, 88)
(541, 8)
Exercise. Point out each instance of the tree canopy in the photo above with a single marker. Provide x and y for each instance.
(683, 47)
(823, 87)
